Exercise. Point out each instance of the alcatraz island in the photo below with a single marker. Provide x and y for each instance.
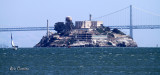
(85, 34)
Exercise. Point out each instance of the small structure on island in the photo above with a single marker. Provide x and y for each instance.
(69, 23)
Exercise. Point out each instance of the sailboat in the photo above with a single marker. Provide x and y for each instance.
(12, 43)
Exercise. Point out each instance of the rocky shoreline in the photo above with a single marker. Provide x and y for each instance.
(87, 38)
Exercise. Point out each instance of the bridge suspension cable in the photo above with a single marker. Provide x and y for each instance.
(149, 12)
(111, 13)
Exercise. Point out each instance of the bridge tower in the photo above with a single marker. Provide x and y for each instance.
(47, 30)
(131, 26)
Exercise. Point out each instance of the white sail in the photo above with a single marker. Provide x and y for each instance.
(12, 43)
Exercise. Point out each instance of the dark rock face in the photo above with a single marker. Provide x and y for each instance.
(88, 38)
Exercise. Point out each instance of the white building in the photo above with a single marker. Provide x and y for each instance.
(88, 24)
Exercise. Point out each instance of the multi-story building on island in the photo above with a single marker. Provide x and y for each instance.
(88, 24)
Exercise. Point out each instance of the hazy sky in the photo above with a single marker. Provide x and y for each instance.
(25, 13)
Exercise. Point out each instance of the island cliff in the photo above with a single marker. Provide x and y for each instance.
(85, 34)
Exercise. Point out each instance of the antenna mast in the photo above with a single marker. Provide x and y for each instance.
(90, 17)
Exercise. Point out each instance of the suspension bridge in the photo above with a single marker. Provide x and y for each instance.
(125, 18)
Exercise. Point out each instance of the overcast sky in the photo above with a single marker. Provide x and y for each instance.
(27, 13)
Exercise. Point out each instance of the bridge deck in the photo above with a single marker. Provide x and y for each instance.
(52, 28)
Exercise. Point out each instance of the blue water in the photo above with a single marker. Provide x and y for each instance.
(80, 61)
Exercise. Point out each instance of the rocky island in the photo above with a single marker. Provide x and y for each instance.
(85, 34)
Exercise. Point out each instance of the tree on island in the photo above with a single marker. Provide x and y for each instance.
(103, 30)
(64, 29)
(115, 30)
(59, 27)
(107, 29)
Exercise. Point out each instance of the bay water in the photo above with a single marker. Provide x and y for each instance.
(80, 61)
